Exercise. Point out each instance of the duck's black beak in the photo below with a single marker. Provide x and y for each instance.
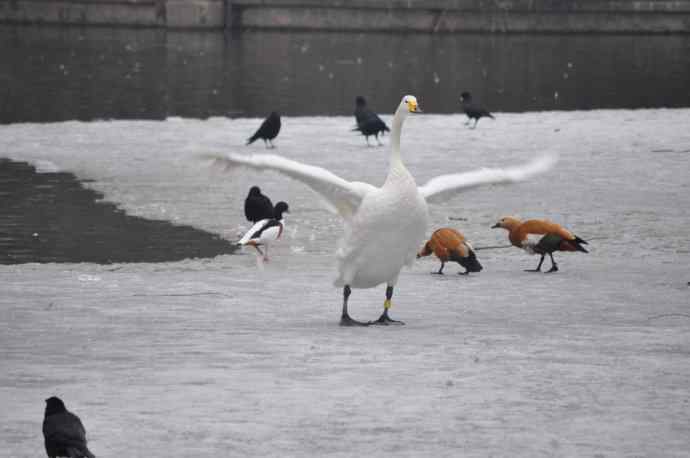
(495, 226)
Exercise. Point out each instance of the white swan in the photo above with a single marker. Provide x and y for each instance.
(383, 227)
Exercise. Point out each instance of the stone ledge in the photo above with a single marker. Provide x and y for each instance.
(520, 16)
(449, 21)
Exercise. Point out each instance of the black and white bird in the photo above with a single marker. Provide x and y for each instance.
(266, 231)
(267, 131)
(63, 432)
(257, 206)
(472, 110)
(368, 122)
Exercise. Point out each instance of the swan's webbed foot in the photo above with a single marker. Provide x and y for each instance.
(386, 320)
(346, 320)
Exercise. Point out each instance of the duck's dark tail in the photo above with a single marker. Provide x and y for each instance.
(470, 262)
(577, 243)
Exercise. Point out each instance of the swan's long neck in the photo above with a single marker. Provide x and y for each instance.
(395, 159)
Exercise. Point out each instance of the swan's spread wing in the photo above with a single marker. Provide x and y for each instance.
(341, 196)
(442, 188)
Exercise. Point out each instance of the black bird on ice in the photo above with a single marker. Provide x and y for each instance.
(267, 131)
(368, 122)
(257, 206)
(472, 110)
(63, 432)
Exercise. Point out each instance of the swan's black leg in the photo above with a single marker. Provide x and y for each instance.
(345, 319)
(384, 319)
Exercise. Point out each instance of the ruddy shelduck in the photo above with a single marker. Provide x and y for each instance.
(554, 238)
(450, 245)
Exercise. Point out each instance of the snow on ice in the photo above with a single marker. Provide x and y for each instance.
(214, 357)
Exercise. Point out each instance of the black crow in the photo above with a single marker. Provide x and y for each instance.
(368, 122)
(257, 206)
(267, 131)
(63, 432)
(471, 110)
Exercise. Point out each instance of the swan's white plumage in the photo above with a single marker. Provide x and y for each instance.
(444, 187)
(383, 227)
(342, 196)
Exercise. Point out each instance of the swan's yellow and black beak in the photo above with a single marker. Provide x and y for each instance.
(413, 107)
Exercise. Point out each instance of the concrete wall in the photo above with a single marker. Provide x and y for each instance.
(147, 13)
(616, 16)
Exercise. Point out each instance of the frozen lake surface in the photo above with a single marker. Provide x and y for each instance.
(216, 357)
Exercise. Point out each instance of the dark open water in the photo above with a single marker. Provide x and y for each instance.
(51, 217)
(54, 74)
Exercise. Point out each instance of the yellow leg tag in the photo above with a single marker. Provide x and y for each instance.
(387, 304)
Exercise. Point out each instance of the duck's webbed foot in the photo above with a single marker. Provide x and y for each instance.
(440, 270)
(554, 266)
(538, 269)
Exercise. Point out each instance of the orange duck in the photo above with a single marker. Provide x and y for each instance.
(555, 238)
(450, 245)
